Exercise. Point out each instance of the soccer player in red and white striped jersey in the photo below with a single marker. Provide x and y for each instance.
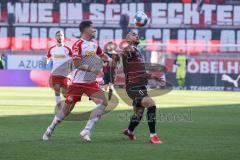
(60, 54)
(88, 60)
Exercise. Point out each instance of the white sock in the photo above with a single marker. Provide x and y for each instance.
(58, 99)
(90, 123)
(95, 116)
(55, 122)
(152, 134)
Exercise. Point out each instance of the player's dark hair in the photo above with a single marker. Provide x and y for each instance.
(59, 32)
(84, 24)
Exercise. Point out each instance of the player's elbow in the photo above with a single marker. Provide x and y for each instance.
(77, 62)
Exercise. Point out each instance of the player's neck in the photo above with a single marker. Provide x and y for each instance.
(86, 38)
(60, 44)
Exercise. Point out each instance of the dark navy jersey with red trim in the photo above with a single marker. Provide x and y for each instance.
(134, 67)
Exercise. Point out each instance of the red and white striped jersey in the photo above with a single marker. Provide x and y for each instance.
(90, 54)
(60, 55)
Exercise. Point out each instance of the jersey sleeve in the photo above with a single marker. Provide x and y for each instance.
(49, 55)
(77, 49)
(99, 52)
(70, 53)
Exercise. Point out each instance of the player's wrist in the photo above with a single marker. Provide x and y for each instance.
(93, 70)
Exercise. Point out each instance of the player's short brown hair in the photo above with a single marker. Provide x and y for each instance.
(84, 24)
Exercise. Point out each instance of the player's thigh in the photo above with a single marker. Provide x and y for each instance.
(99, 98)
(74, 94)
(147, 102)
(136, 92)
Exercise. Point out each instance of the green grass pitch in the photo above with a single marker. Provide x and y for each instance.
(194, 125)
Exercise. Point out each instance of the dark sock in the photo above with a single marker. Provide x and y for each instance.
(151, 117)
(134, 122)
(110, 94)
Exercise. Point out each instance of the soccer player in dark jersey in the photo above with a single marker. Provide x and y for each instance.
(136, 81)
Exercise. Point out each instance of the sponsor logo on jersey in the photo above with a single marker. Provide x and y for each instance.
(59, 56)
(90, 53)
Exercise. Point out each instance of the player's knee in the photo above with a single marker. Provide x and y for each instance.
(105, 103)
(102, 101)
(139, 115)
(65, 111)
(57, 90)
(67, 108)
(139, 111)
(147, 102)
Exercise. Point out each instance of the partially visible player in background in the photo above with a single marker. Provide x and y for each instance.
(59, 53)
(2, 61)
(181, 65)
(88, 58)
(110, 70)
(136, 78)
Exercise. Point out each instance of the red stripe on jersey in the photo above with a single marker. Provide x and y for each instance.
(48, 55)
(70, 51)
(99, 51)
(77, 48)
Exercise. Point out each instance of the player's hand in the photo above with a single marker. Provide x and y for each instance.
(125, 47)
(46, 60)
(104, 64)
(161, 80)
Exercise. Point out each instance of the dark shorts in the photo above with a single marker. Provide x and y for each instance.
(136, 93)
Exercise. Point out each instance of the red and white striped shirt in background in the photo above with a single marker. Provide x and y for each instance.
(60, 55)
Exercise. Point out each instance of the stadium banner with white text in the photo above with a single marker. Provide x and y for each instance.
(208, 66)
(160, 13)
(32, 26)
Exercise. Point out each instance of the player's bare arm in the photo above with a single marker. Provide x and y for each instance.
(106, 58)
(78, 64)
